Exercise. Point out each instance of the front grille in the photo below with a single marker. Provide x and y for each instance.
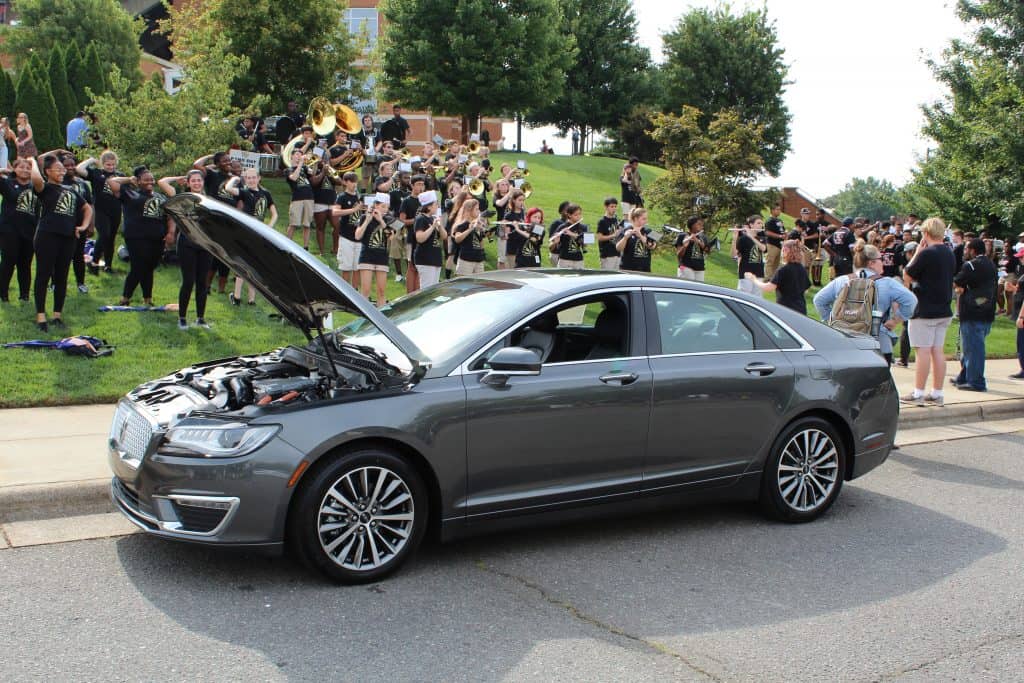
(198, 519)
(130, 432)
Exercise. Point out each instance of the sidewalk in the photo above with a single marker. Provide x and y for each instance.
(53, 461)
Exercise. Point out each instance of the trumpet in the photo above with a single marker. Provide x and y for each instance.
(527, 189)
(521, 173)
(477, 187)
(473, 147)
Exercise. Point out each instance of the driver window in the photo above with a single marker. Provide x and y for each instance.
(691, 323)
(591, 330)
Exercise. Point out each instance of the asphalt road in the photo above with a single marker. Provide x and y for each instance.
(915, 575)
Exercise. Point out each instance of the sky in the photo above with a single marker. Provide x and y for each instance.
(858, 76)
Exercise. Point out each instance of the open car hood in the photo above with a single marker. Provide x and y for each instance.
(301, 287)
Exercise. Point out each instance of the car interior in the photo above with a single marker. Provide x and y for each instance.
(591, 329)
(693, 324)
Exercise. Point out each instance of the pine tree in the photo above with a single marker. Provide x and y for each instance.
(95, 73)
(74, 64)
(7, 95)
(36, 101)
(62, 95)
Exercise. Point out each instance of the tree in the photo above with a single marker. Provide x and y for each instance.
(43, 24)
(63, 98)
(708, 171)
(36, 101)
(632, 136)
(977, 168)
(74, 64)
(601, 83)
(7, 95)
(493, 56)
(168, 132)
(304, 51)
(715, 60)
(869, 197)
(95, 81)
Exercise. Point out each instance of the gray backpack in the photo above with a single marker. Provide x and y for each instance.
(852, 310)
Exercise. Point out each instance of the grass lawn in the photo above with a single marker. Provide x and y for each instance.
(150, 345)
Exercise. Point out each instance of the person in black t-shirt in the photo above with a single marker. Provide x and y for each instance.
(430, 234)
(18, 217)
(555, 226)
(257, 202)
(568, 241)
(774, 233)
(374, 232)
(145, 231)
(930, 275)
(216, 170)
(839, 246)
(325, 191)
(300, 210)
(515, 217)
(346, 206)
(108, 209)
(64, 216)
(750, 254)
(635, 245)
(691, 249)
(788, 282)
(395, 129)
(607, 234)
(531, 237)
(976, 284)
(407, 211)
(468, 234)
(83, 188)
(194, 262)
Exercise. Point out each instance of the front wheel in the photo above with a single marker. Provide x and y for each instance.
(361, 516)
(804, 473)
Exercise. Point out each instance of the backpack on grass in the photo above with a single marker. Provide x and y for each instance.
(851, 311)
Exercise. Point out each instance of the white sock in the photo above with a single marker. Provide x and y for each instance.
(937, 393)
(918, 393)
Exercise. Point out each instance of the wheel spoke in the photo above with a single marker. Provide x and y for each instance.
(336, 542)
(374, 553)
(404, 517)
(401, 533)
(376, 489)
(358, 557)
(400, 499)
(384, 541)
(336, 495)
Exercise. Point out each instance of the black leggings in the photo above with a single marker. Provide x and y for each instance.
(78, 260)
(143, 258)
(53, 258)
(195, 264)
(107, 225)
(15, 253)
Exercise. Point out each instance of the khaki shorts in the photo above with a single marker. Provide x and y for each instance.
(348, 255)
(429, 275)
(571, 265)
(396, 248)
(373, 267)
(610, 263)
(926, 333)
(408, 252)
(300, 213)
(469, 267)
(690, 274)
(750, 288)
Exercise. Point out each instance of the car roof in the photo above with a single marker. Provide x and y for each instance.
(562, 281)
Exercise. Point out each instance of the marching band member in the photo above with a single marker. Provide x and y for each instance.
(469, 234)
(691, 249)
(193, 261)
(346, 207)
(568, 241)
(20, 214)
(607, 230)
(300, 210)
(428, 251)
(635, 245)
(373, 256)
(515, 216)
(407, 214)
(146, 231)
(502, 196)
(531, 238)
(325, 192)
(108, 209)
(257, 202)
(750, 254)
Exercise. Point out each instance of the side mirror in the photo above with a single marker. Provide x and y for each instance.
(511, 361)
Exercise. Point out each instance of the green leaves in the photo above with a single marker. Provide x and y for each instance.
(869, 197)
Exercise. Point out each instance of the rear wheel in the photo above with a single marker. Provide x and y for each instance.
(804, 473)
(360, 517)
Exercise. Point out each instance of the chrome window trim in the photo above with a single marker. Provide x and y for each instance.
(463, 368)
(804, 344)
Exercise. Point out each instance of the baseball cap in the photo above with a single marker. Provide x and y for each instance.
(847, 222)
(910, 246)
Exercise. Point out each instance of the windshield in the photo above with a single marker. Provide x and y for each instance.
(441, 320)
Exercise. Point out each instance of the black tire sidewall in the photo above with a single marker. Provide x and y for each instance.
(771, 498)
(307, 511)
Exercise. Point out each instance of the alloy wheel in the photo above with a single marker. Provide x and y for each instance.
(808, 470)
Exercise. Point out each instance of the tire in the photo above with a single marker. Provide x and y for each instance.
(360, 517)
(804, 473)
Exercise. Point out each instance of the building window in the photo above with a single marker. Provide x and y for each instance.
(360, 20)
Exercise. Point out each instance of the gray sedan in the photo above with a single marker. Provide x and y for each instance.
(487, 402)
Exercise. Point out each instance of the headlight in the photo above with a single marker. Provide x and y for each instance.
(227, 440)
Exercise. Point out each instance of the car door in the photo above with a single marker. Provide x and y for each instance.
(720, 388)
(575, 432)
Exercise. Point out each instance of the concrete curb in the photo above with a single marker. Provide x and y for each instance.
(62, 499)
(92, 496)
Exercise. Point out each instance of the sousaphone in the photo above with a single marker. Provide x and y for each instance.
(321, 116)
(347, 119)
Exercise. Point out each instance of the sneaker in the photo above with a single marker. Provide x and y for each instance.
(910, 398)
(83, 288)
(937, 401)
(182, 324)
(200, 322)
(1019, 375)
(968, 387)
(398, 278)
(58, 323)
(902, 364)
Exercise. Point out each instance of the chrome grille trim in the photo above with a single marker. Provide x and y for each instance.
(131, 434)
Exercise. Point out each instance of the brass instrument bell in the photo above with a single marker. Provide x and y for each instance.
(321, 116)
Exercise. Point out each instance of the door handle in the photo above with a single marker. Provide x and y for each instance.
(622, 378)
(760, 369)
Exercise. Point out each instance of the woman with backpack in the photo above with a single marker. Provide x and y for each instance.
(886, 295)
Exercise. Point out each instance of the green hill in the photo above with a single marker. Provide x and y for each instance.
(149, 345)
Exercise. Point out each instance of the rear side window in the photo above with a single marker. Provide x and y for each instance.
(782, 338)
(690, 323)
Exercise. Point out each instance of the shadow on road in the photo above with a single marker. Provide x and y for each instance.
(957, 474)
(479, 608)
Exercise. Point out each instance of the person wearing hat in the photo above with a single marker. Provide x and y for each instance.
(839, 247)
(373, 256)
(430, 235)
